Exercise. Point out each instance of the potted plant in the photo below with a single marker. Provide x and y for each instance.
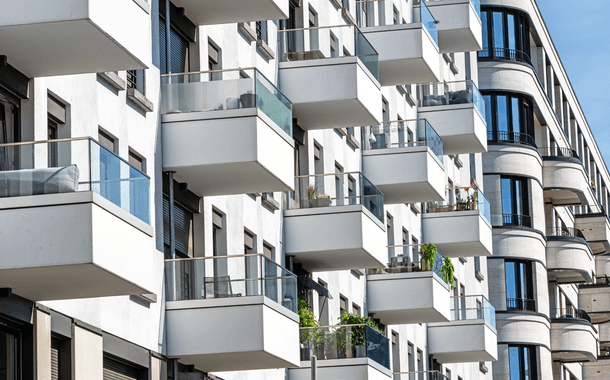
(474, 199)
(428, 256)
(307, 335)
(447, 271)
(352, 340)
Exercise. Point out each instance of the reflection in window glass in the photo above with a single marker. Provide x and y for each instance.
(510, 27)
(502, 113)
(515, 115)
(498, 29)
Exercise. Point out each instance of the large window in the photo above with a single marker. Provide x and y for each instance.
(522, 362)
(9, 355)
(510, 118)
(505, 35)
(519, 286)
(515, 202)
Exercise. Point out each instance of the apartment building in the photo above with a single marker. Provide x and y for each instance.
(181, 180)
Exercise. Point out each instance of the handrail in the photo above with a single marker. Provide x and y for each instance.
(326, 174)
(324, 327)
(558, 152)
(210, 71)
(401, 121)
(513, 137)
(217, 257)
(316, 27)
(565, 231)
(448, 82)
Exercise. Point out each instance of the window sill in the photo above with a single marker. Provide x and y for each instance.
(336, 3)
(479, 275)
(351, 141)
(463, 260)
(113, 80)
(270, 202)
(140, 100)
(410, 99)
(341, 131)
(264, 49)
(348, 16)
(247, 31)
(143, 4)
(483, 368)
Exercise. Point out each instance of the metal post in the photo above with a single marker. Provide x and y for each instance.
(314, 367)
(175, 369)
(168, 55)
(172, 238)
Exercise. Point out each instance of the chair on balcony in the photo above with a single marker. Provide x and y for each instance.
(218, 287)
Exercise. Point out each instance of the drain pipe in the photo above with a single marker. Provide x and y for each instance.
(314, 367)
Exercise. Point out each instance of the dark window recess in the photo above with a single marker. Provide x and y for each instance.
(261, 30)
(519, 285)
(117, 370)
(510, 118)
(107, 141)
(136, 161)
(505, 35)
(55, 344)
(183, 228)
(522, 362)
(179, 53)
(515, 202)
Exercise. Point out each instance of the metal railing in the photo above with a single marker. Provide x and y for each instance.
(564, 232)
(516, 220)
(405, 259)
(217, 90)
(558, 152)
(506, 54)
(463, 199)
(520, 304)
(338, 189)
(511, 137)
(450, 93)
(473, 307)
(230, 276)
(327, 42)
(344, 341)
(71, 165)
(402, 134)
(419, 375)
(570, 312)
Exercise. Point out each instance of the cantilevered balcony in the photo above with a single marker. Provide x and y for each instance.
(573, 337)
(595, 226)
(231, 313)
(460, 226)
(408, 291)
(568, 257)
(472, 330)
(459, 25)
(564, 178)
(74, 222)
(331, 75)
(225, 134)
(209, 12)
(595, 299)
(404, 159)
(335, 222)
(419, 375)
(408, 52)
(457, 111)
(46, 38)
(343, 352)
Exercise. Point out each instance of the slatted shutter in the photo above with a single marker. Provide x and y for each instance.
(116, 370)
(183, 228)
(179, 50)
(55, 359)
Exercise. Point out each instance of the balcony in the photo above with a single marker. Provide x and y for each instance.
(462, 229)
(335, 222)
(564, 178)
(457, 111)
(231, 313)
(472, 330)
(569, 258)
(573, 337)
(595, 226)
(409, 291)
(225, 134)
(42, 38)
(343, 352)
(413, 45)
(595, 299)
(459, 27)
(331, 74)
(520, 304)
(210, 12)
(64, 207)
(419, 375)
(409, 144)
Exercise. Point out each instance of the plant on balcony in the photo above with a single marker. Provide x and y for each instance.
(351, 341)
(473, 200)
(428, 256)
(447, 270)
(315, 199)
(308, 336)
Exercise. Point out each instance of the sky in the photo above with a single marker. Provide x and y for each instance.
(581, 32)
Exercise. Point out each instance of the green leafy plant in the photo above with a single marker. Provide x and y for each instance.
(307, 319)
(348, 337)
(323, 196)
(428, 256)
(312, 190)
(447, 270)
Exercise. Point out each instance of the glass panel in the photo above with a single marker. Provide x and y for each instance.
(485, 51)
(227, 277)
(312, 44)
(515, 108)
(473, 307)
(510, 268)
(422, 14)
(463, 199)
(377, 347)
(507, 197)
(195, 93)
(488, 114)
(502, 102)
(510, 26)
(460, 92)
(498, 29)
(514, 363)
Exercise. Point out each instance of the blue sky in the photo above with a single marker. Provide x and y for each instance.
(581, 33)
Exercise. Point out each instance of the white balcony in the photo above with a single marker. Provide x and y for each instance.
(336, 223)
(250, 303)
(230, 136)
(472, 331)
(457, 112)
(564, 178)
(342, 369)
(459, 25)
(209, 12)
(329, 89)
(412, 145)
(407, 294)
(573, 337)
(568, 257)
(595, 226)
(44, 38)
(61, 225)
(595, 300)
(461, 230)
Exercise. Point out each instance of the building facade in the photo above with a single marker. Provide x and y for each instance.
(245, 190)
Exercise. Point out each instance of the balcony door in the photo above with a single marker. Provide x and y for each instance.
(9, 131)
(519, 285)
(9, 355)
(515, 202)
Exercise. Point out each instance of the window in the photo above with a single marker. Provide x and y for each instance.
(522, 362)
(395, 352)
(396, 16)
(411, 357)
(214, 61)
(219, 238)
(415, 249)
(356, 310)
(323, 306)
(318, 158)
(334, 45)
(390, 236)
(448, 372)
(343, 305)
(249, 242)
(515, 202)
(183, 230)
(179, 45)
(268, 251)
(120, 370)
(519, 285)
(510, 118)
(505, 35)
(261, 30)
(10, 347)
(107, 141)
(136, 80)
(53, 148)
(137, 161)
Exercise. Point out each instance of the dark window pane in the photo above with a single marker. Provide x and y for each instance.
(510, 28)
(511, 283)
(485, 31)
(515, 106)
(488, 113)
(514, 363)
(502, 113)
(498, 24)
(507, 196)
